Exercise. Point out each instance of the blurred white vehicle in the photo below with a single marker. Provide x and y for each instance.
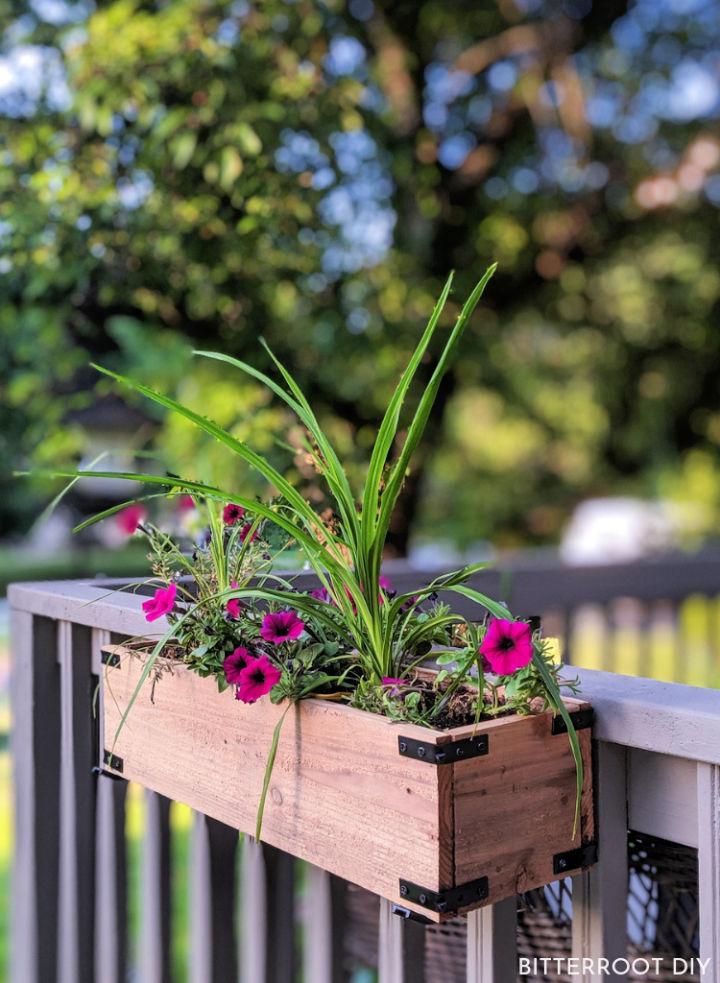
(615, 530)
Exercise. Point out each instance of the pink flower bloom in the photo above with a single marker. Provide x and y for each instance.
(281, 626)
(232, 513)
(234, 605)
(161, 603)
(257, 679)
(185, 503)
(393, 683)
(386, 588)
(234, 664)
(244, 532)
(130, 518)
(507, 645)
(321, 594)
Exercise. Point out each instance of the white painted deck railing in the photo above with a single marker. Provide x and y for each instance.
(658, 773)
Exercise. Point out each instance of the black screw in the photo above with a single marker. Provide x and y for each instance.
(562, 863)
(403, 890)
(423, 898)
(421, 752)
(459, 752)
(441, 906)
(440, 757)
(403, 746)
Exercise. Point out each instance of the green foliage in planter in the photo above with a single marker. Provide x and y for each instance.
(377, 632)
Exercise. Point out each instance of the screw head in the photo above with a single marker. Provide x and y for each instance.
(440, 756)
(403, 890)
(562, 863)
(421, 752)
(423, 898)
(459, 752)
(403, 746)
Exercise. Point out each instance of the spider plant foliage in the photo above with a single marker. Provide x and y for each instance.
(382, 635)
(346, 554)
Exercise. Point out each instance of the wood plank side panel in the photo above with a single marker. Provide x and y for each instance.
(513, 814)
(35, 737)
(341, 795)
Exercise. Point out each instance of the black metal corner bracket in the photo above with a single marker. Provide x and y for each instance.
(112, 761)
(111, 659)
(444, 754)
(581, 719)
(584, 856)
(447, 902)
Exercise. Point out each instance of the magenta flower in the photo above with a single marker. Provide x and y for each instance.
(385, 583)
(234, 605)
(321, 594)
(234, 664)
(393, 683)
(185, 503)
(281, 626)
(257, 679)
(161, 603)
(245, 531)
(507, 645)
(232, 513)
(130, 518)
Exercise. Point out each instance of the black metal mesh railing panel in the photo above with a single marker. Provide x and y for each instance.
(662, 919)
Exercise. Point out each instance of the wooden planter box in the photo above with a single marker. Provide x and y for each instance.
(440, 822)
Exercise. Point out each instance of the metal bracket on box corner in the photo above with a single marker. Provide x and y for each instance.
(112, 761)
(581, 719)
(447, 902)
(584, 856)
(444, 754)
(111, 659)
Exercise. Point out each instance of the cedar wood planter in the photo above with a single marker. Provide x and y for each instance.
(438, 821)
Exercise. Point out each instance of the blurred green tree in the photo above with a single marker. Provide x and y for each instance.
(310, 171)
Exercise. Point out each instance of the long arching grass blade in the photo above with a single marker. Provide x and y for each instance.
(419, 422)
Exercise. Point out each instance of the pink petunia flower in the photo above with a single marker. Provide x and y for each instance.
(161, 603)
(234, 663)
(185, 503)
(257, 679)
(234, 606)
(386, 588)
(322, 594)
(281, 626)
(232, 513)
(393, 683)
(507, 645)
(245, 531)
(130, 518)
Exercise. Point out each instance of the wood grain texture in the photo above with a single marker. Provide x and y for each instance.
(341, 796)
(515, 812)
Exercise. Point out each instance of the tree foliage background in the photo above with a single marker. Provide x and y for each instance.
(199, 174)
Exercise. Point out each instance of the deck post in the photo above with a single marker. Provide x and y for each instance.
(492, 943)
(401, 947)
(599, 926)
(708, 781)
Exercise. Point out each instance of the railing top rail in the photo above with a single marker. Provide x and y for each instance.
(667, 718)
